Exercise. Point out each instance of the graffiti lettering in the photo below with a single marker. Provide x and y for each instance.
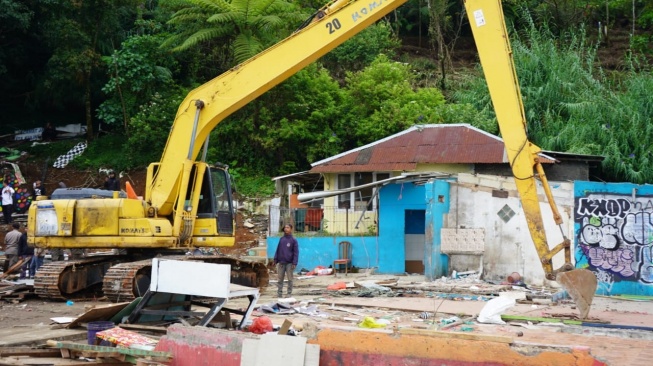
(605, 280)
(637, 228)
(639, 206)
(356, 16)
(615, 236)
(646, 270)
(616, 261)
(603, 207)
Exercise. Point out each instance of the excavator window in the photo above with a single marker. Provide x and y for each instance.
(223, 200)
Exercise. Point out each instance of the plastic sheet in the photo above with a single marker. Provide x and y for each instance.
(369, 322)
(491, 312)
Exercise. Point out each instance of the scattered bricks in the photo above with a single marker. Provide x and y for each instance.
(201, 346)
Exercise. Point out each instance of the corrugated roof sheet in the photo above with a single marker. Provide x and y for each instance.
(434, 144)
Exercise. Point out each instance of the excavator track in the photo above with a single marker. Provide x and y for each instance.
(126, 281)
(70, 279)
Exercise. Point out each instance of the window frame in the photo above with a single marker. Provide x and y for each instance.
(353, 195)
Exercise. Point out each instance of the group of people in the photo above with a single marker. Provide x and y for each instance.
(8, 198)
(16, 248)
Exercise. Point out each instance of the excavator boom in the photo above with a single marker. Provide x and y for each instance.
(491, 37)
(222, 96)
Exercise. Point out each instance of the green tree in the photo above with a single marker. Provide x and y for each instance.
(382, 101)
(247, 26)
(150, 126)
(573, 106)
(138, 70)
(79, 32)
(291, 126)
(359, 51)
(15, 20)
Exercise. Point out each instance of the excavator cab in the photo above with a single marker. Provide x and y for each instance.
(210, 187)
(216, 199)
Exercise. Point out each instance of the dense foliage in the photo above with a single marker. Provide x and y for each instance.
(122, 67)
(573, 105)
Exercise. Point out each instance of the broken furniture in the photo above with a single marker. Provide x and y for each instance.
(178, 285)
(344, 257)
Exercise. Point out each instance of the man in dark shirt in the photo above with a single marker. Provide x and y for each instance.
(25, 252)
(286, 258)
(112, 183)
(49, 132)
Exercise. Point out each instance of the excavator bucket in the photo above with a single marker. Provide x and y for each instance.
(581, 286)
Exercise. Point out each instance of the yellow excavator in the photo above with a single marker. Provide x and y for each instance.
(188, 203)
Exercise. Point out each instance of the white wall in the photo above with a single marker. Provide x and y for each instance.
(508, 246)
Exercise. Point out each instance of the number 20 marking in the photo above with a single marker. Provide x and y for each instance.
(333, 26)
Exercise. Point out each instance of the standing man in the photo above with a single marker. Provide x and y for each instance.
(39, 190)
(111, 183)
(10, 246)
(37, 261)
(7, 201)
(24, 252)
(286, 258)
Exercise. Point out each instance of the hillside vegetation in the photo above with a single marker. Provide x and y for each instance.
(122, 68)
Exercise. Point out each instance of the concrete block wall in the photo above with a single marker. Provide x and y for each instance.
(200, 346)
(339, 346)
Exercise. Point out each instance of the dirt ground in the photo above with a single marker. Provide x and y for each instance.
(401, 307)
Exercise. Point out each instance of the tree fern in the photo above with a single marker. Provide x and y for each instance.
(249, 25)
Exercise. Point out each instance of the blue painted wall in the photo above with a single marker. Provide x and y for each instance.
(386, 252)
(321, 251)
(614, 235)
(436, 264)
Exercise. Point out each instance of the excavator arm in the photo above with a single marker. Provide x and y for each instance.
(215, 100)
(491, 37)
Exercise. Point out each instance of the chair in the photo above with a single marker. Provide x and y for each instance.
(344, 257)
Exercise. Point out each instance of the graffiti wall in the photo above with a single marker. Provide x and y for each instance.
(614, 235)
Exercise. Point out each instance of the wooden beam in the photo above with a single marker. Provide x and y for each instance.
(457, 335)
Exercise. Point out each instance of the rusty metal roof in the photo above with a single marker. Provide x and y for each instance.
(423, 144)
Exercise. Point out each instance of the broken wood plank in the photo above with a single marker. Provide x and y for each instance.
(51, 361)
(109, 350)
(457, 335)
(13, 288)
(285, 327)
(147, 328)
(28, 351)
(28, 335)
(16, 266)
(540, 319)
